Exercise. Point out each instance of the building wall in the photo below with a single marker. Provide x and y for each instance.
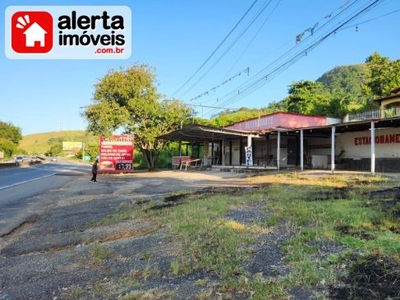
(364, 164)
(235, 153)
(319, 146)
(358, 144)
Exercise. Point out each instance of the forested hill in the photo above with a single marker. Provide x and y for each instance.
(346, 80)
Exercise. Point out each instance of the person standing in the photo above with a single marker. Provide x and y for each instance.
(94, 171)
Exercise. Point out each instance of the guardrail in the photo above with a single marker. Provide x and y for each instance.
(16, 165)
(8, 165)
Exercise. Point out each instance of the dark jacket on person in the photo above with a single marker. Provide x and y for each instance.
(94, 167)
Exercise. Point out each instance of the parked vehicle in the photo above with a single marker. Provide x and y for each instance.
(19, 159)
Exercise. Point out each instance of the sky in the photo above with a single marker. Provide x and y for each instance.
(209, 54)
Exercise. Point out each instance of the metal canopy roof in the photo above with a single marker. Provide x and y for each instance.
(363, 125)
(201, 133)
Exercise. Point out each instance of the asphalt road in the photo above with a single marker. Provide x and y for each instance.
(18, 186)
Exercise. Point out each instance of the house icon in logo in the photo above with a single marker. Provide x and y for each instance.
(35, 33)
(32, 32)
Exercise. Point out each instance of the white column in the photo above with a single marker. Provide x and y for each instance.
(333, 150)
(278, 150)
(249, 140)
(301, 150)
(223, 152)
(372, 148)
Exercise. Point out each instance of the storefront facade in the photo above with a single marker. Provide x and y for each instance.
(365, 142)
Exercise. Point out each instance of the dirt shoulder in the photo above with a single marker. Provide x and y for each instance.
(51, 256)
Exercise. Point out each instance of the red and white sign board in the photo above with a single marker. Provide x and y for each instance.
(116, 153)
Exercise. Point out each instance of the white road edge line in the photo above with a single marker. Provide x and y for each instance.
(26, 181)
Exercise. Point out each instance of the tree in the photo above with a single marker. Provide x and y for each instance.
(8, 147)
(90, 150)
(384, 75)
(10, 132)
(228, 117)
(128, 99)
(306, 97)
(54, 150)
(10, 136)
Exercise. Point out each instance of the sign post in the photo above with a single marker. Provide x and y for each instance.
(249, 156)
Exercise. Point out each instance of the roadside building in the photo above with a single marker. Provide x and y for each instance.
(364, 141)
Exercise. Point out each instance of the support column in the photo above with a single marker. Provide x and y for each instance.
(223, 152)
(212, 153)
(333, 149)
(241, 151)
(220, 153)
(372, 148)
(230, 152)
(249, 141)
(278, 151)
(301, 150)
(206, 160)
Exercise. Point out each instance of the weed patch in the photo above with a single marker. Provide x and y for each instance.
(370, 277)
(100, 252)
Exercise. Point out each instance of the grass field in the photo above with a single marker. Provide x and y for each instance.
(39, 143)
(341, 237)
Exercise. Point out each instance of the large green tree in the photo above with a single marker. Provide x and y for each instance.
(127, 99)
(7, 147)
(10, 132)
(306, 97)
(384, 75)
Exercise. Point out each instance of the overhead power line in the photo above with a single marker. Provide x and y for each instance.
(258, 14)
(214, 107)
(262, 77)
(216, 49)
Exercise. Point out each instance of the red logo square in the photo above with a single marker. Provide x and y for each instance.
(32, 32)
